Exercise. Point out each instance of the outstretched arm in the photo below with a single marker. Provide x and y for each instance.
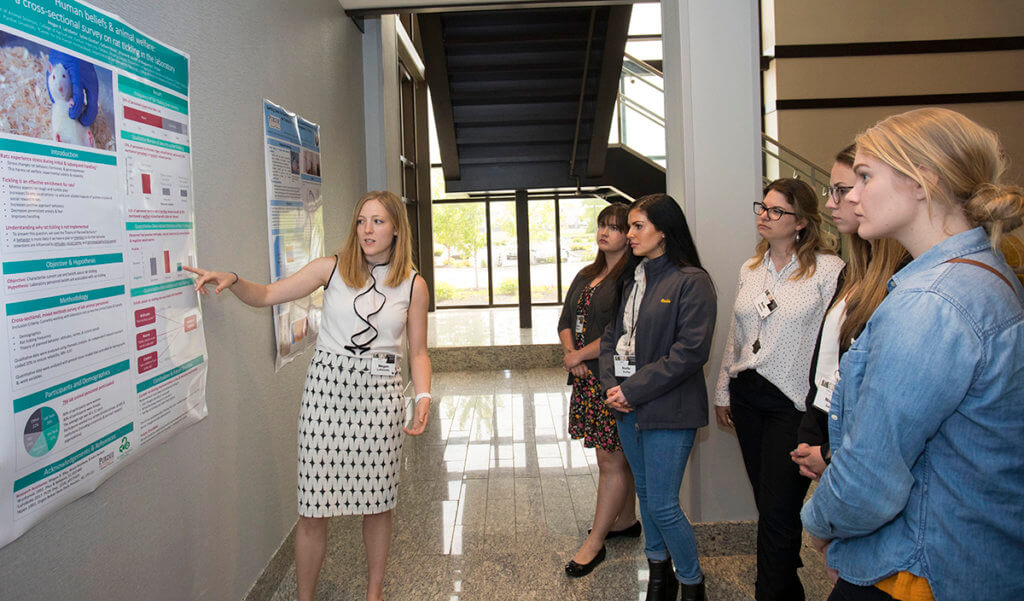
(314, 275)
(419, 362)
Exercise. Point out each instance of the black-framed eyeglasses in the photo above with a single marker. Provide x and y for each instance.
(837, 192)
(774, 213)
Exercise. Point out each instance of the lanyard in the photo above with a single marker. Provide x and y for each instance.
(360, 341)
(769, 295)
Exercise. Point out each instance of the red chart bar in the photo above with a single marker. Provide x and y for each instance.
(143, 117)
(147, 188)
(167, 261)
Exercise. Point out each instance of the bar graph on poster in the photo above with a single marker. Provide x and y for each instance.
(104, 353)
(295, 221)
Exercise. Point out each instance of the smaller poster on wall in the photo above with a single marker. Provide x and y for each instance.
(295, 222)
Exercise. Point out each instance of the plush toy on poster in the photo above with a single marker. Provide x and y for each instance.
(72, 85)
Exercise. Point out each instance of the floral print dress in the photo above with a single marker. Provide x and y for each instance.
(589, 417)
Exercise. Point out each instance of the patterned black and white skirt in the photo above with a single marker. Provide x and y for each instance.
(350, 438)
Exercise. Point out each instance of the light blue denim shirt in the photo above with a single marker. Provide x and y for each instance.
(929, 475)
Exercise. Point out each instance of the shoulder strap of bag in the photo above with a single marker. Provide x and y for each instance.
(984, 266)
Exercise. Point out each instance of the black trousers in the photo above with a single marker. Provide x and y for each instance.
(766, 425)
(844, 591)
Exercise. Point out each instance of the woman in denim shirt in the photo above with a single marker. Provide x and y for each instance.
(923, 498)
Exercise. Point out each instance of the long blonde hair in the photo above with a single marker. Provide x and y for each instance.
(812, 240)
(352, 260)
(863, 293)
(965, 160)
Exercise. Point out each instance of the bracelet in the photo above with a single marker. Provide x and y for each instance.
(423, 395)
(236, 278)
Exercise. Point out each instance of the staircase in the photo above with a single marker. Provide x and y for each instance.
(524, 99)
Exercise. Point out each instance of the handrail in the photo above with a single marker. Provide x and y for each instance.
(766, 137)
(637, 77)
(583, 90)
(797, 168)
(644, 111)
(643, 64)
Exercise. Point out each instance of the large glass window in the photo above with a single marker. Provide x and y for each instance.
(504, 255)
(460, 254)
(544, 261)
(467, 275)
(578, 232)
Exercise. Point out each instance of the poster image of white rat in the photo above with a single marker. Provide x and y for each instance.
(52, 95)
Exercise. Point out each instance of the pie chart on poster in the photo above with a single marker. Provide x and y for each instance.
(41, 431)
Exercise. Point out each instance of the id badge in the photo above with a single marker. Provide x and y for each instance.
(383, 364)
(579, 323)
(765, 304)
(824, 400)
(625, 365)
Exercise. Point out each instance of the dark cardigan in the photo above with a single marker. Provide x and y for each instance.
(604, 304)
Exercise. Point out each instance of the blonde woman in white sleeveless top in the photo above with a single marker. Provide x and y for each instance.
(352, 413)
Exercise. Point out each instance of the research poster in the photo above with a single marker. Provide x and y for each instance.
(103, 354)
(295, 220)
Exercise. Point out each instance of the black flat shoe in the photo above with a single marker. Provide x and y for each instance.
(630, 532)
(578, 570)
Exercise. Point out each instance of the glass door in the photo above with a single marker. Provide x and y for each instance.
(504, 253)
(460, 254)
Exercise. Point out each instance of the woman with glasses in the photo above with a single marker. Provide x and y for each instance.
(590, 305)
(783, 292)
(922, 498)
(652, 367)
(862, 286)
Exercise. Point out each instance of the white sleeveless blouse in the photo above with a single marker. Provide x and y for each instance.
(369, 319)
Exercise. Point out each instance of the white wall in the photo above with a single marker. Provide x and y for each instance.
(712, 104)
(198, 517)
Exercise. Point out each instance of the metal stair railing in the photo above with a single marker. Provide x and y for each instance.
(640, 113)
(780, 161)
(640, 110)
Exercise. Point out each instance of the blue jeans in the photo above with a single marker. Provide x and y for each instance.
(667, 532)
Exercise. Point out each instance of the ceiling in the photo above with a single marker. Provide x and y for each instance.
(377, 7)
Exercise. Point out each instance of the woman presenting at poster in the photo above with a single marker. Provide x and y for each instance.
(372, 297)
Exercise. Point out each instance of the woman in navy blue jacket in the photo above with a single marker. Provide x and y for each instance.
(651, 362)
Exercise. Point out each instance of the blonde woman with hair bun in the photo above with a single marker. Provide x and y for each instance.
(922, 499)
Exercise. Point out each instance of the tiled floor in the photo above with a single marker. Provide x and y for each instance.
(490, 327)
(495, 498)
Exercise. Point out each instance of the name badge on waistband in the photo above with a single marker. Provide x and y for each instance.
(826, 386)
(625, 365)
(383, 364)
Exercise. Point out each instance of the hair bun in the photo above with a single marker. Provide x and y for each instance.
(1000, 207)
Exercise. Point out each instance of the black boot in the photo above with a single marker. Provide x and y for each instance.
(661, 583)
(692, 592)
